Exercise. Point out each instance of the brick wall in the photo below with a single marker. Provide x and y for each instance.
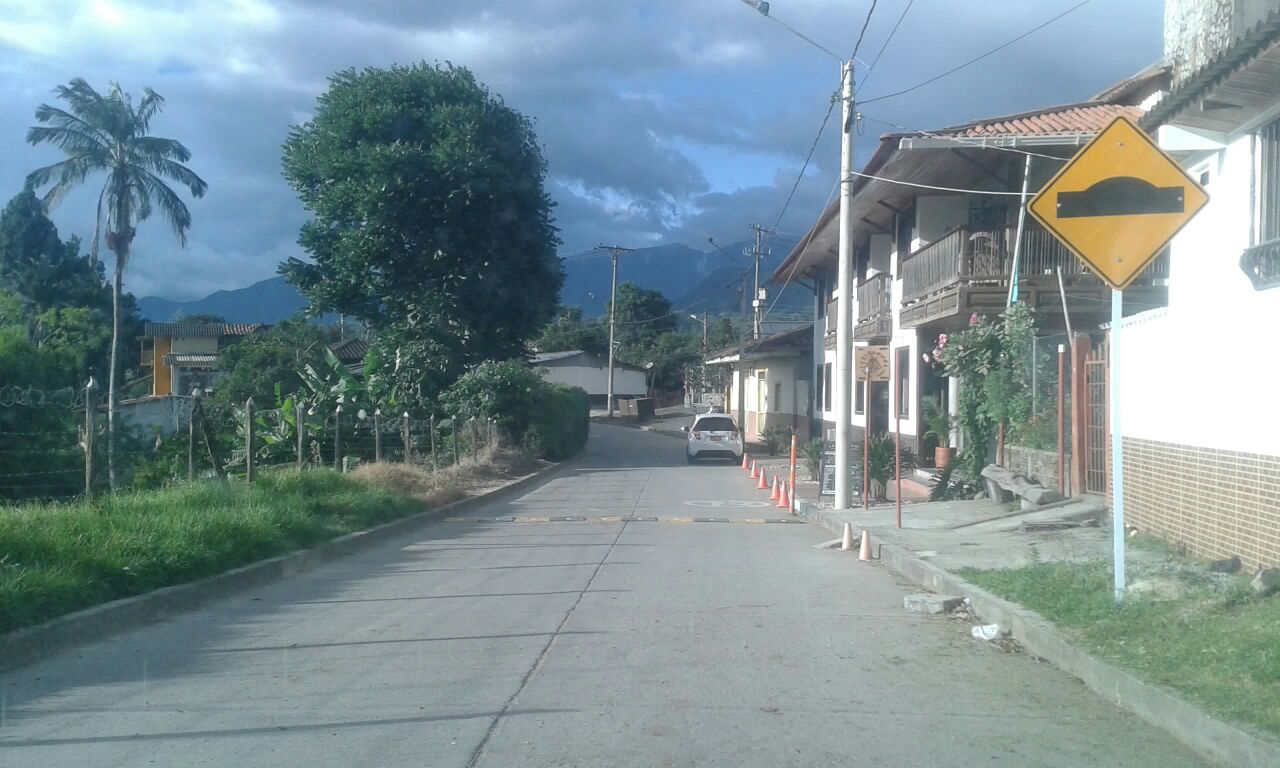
(1215, 503)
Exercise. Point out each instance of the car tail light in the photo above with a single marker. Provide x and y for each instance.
(696, 435)
(733, 435)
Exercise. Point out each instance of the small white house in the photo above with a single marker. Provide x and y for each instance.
(577, 368)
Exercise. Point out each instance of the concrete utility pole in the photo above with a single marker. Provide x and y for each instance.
(844, 302)
(617, 251)
(757, 301)
(742, 353)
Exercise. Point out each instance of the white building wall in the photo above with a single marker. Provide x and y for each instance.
(1203, 371)
(195, 345)
(626, 382)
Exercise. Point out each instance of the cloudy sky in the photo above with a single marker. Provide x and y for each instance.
(661, 120)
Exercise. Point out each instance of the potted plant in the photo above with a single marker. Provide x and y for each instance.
(938, 428)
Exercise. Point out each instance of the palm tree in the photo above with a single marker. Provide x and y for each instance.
(109, 134)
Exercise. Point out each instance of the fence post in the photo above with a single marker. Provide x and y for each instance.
(377, 435)
(431, 425)
(337, 439)
(453, 422)
(88, 437)
(1062, 425)
(300, 420)
(475, 436)
(191, 435)
(248, 440)
(1079, 411)
(408, 439)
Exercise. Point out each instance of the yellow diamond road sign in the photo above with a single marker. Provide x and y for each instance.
(1118, 203)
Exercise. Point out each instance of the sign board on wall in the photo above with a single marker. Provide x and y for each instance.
(875, 358)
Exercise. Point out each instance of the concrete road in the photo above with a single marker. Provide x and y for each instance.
(580, 643)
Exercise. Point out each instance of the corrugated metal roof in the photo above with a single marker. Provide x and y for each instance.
(151, 330)
(547, 357)
(1236, 57)
(1085, 118)
(190, 358)
(351, 350)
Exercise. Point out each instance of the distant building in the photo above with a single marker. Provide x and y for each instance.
(351, 353)
(577, 368)
(184, 356)
(773, 374)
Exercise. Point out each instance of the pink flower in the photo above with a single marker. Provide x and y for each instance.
(942, 340)
(973, 319)
(925, 357)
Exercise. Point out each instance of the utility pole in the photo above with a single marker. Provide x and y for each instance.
(742, 353)
(617, 251)
(844, 302)
(757, 301)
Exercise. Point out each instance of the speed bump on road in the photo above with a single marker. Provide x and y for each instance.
(623, 519)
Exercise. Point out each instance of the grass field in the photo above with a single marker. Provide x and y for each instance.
(59, 558)
(1217, 645)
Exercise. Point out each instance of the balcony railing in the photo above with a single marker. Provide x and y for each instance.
(874, 315)
(1262, 264)
(966, 257)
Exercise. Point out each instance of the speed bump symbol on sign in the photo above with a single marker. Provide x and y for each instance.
(1118, 202)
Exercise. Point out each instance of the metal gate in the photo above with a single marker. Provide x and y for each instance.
(1097, 428)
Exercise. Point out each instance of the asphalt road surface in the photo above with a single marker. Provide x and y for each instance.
(572, 643)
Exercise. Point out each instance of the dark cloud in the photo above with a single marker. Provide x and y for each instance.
(636, 103)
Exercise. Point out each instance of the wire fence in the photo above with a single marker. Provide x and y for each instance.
(53, 444)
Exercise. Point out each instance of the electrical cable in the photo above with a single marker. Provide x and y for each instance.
(808, 239)
(939, 189)
(976, 59)
(813, 148)
(887, 40)
(863, 32)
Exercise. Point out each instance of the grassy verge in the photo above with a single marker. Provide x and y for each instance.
(55, 559)
(1215, 643)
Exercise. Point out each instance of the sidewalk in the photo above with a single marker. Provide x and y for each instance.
(939, 540)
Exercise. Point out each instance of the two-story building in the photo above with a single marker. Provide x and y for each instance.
(184, 356)
(936, 231)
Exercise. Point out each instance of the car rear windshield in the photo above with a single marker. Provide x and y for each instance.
(715, 424)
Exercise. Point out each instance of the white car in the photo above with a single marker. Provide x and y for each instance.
(713, 435)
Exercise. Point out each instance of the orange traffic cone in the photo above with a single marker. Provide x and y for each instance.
(755, 469)
(762, 485)
(784, 500)
(864, 553)
(774, 495)
(745, 463)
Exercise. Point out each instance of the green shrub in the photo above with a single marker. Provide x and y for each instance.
(813, 450)
(775, 437)
(561, 423)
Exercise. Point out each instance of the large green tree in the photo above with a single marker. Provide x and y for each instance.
(260, 362)
(111, 135)
(569, 331)
(430, 220)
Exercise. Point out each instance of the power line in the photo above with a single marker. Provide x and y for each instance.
(808, 158)
(976, 59)
(939, 189)
(865, 22)
(887, 40)
(800, 247)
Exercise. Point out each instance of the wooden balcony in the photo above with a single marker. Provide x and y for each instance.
(967, 271)
(875, 315)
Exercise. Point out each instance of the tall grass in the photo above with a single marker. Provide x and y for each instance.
(55, 558)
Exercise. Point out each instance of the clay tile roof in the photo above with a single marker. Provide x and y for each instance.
(151, 330)
(1085, 119)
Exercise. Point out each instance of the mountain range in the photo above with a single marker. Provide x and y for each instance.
(695, 281)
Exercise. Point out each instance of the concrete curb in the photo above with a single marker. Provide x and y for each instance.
(1212, 738)
(28, 645)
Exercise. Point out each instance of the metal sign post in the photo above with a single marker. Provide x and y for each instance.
(1116, 206)
(1117, 448)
